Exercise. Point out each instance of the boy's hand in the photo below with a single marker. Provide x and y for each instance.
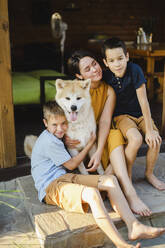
(70, 143)
(153, 139)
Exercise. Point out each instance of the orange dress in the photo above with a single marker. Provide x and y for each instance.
(115, 138)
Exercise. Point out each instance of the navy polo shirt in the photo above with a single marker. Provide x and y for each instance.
(125, 89)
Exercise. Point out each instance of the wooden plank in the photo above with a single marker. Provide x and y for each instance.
(163, 108)
(7, 129)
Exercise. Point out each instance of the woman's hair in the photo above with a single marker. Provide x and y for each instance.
(52, 108)
(73, 61)
(114, 42)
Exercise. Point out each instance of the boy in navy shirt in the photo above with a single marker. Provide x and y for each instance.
(132, 112)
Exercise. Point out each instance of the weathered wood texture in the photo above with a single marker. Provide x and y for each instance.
(30, 20)
(7, 130)
(30, 23)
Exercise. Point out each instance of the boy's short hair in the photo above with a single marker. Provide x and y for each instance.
(114, 42)
(73, 61)
(52, 108)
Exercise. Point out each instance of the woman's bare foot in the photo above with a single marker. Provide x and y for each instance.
(140, 231)
(152, 179)
(138, 207)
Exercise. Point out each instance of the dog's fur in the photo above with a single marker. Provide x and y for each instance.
(29, 142)
(74, 98)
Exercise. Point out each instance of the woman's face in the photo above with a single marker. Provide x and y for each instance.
(90, 69)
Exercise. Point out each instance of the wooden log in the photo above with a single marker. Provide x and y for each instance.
(7, 128)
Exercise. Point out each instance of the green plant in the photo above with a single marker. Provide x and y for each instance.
(8, 194)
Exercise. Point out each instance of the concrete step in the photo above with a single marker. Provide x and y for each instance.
(58, 228)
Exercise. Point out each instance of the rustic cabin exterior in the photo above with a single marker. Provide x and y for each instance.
(27, 43)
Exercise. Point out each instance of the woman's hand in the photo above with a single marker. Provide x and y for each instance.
(71, 144)
(94, 162)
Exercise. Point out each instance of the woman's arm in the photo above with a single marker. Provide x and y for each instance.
(103, 128)
(105, 119)
(152, 137)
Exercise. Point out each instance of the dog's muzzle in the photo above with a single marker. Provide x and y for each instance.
(73, 114)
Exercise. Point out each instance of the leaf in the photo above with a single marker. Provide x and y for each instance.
(10, 191)
(9, 205)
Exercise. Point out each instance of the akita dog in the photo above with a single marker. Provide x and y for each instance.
(74, 98)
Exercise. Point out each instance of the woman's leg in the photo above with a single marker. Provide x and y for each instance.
(136, 230)
(118, 163)
(92, 197)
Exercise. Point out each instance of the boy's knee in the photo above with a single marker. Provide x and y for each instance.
(90, 194)
(108, 181)
(135, 139)
(138, 140)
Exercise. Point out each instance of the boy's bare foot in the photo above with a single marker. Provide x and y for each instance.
(129, 173)
(129, 246)
(140, 231)
(152, 179)
(138, 207)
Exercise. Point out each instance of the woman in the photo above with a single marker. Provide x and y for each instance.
(83, 65)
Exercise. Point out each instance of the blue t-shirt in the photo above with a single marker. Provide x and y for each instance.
(125, 89)
(48, 156)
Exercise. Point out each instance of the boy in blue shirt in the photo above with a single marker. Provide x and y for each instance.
(132, 113)
(74, 192)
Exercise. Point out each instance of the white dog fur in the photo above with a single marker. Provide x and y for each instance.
(74, 98)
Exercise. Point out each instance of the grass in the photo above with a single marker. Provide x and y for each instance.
(8, 194)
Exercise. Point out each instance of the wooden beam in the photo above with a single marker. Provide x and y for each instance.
(7, 128)
(163, 108)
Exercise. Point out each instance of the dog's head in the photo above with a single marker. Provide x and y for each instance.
(73, 96)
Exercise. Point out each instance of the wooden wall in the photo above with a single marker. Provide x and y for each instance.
(30, 21)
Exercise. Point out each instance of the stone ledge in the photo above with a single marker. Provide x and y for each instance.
(58, 228)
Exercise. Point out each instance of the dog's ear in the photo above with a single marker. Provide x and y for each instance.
(85, 84)
(59, 84)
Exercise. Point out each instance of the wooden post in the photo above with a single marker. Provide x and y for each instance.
(7, 129)
(163, 108)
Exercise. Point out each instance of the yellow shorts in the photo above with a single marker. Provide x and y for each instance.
(115, 139)
(66, 191)
(125, 122)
